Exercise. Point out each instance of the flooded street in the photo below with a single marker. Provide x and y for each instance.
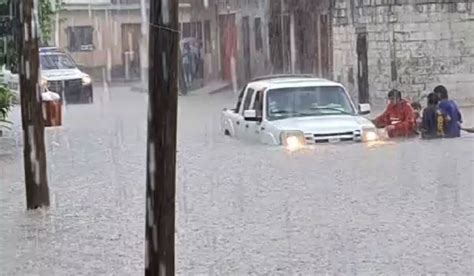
(399, 208)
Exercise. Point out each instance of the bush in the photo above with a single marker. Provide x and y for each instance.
(6, 103)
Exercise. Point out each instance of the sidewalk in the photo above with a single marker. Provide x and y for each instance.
(211, 88)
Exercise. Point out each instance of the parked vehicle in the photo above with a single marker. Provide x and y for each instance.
(295, 111)
(59, 73)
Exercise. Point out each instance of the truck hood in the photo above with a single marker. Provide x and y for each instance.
(62, 74)
(324, 124)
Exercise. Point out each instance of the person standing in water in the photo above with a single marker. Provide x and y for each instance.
(450, 110)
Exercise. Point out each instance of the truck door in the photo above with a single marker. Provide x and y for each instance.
(241, 124)
(237, 117)
(253, 128)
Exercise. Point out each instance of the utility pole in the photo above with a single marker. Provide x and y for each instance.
(161, 147)
(34, 152)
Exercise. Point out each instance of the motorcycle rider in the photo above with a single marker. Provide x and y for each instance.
(398, 119)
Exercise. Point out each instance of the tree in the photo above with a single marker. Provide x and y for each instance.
(161, 153)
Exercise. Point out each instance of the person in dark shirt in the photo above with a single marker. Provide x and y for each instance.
(432, 125)
(451, 113)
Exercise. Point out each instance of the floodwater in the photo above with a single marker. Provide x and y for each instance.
(399, 208)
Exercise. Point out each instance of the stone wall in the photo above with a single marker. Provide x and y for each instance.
(413, 45)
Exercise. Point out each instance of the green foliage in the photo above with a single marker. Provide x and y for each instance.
(6, 103)
(47, 10)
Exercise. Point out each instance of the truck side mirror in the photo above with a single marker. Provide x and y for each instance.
(251, 115)
(364, 109)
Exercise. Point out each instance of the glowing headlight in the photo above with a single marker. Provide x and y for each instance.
(292, 140)
(370, 135)
(86, 80)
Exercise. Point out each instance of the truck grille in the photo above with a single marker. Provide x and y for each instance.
(318, 138)
(64, 86)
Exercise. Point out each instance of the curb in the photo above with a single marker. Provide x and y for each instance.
(220, 89)
(138, 89)
(211, 92)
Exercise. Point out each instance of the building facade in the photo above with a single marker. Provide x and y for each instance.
(300, 37)
(412, 45)
(106, 37)
(198, 20)
(243, 40)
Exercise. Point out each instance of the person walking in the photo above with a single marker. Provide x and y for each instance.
(187, 58)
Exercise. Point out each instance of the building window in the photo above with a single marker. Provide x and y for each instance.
(81, 39)
(258, 34)
(207, 36)
(186, 31)
(197, 30)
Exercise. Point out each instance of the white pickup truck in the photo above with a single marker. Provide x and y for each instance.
(297, 110)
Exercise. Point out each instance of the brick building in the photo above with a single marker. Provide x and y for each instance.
(412, 45)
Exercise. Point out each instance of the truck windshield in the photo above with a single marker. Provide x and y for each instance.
(56, 61)
(307, 101)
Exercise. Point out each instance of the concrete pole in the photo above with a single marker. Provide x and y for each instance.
(292, 43)
(143, 46)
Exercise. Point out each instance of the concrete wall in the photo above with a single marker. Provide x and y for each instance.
(413, 45)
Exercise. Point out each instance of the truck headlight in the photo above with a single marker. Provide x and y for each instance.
(292, 140)
(369, 135)
(86, 80)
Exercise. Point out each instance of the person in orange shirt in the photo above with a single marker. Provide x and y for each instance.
(398, 119)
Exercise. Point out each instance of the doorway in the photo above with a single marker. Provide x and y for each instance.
(363, 68)
(246, 46)
(228, 44)
(131, 37)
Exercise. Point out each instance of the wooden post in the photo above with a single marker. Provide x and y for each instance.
(36, 180)
(161, 148)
